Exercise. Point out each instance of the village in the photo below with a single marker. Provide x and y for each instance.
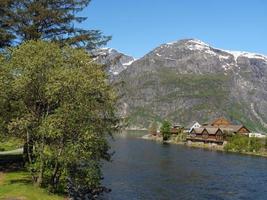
(220, 134)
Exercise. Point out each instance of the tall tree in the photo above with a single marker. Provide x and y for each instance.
(165, 130)
(67, 109)
(6, 36)
(53, 20)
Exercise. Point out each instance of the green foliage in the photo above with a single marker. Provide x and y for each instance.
(23, 20)
(239, 143)
(165, 130)
(10, 143)
(181, 137)
(66, 110)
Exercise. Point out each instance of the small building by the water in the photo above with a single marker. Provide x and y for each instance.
(191, 126)
(227, 127)
(214, 131)
(206, 135)
(176, 129)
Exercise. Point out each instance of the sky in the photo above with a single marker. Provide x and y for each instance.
(139, 26)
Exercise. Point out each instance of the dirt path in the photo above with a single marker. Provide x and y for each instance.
(13, 152)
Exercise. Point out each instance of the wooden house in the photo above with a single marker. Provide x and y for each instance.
(176, 129)
(226, 126)
(206, 135)
(236, 129)
(214, 131)
(218, 122)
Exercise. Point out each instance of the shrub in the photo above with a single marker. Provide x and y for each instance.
(239, 143)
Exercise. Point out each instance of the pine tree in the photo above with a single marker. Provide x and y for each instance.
(52, 20)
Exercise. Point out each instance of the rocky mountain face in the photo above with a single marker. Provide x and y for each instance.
(115, 61)
(189, 80)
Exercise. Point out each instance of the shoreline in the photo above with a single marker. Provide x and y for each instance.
(219, 148)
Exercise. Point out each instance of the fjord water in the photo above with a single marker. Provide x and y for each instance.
(144, 170)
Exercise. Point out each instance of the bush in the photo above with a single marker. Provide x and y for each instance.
(239, 143)
(181, 137)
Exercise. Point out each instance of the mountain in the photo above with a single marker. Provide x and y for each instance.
(189, 80)
(115, 61)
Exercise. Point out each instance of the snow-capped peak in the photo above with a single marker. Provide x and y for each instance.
(198, 45)
(195, 44)
(198, 42)
(237, 54)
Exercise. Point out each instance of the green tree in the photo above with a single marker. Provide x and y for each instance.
(6, 36)
(53, 20)
(165, 130)
(241, 143)
(9, 107)
(66, 110)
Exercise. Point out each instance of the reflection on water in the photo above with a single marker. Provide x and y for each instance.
(147, 170)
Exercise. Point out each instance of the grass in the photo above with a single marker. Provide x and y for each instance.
(8, 144)
(17, 185)
(180, 141)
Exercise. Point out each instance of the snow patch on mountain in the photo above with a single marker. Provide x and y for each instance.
(115, 61)
(195, 44)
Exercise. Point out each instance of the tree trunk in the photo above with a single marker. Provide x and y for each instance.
(29, 148)
(41, 169)
(55, 176)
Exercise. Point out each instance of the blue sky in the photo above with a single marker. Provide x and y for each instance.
(138, 26)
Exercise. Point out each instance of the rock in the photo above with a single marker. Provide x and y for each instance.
(189, 80)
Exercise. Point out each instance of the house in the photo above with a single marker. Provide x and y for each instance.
(214, 131)
(227, 127)
(191, 126)
(206, 135)
(236, 129)
(217, 122)
(220, 122)
(176, 129)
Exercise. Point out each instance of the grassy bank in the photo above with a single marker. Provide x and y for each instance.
(17, 185)
(8, 144)
(179, 140)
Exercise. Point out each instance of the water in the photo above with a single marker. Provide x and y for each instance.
(144, 170)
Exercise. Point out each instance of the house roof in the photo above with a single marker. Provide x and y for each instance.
(177, 125)
(209, 123)
(191, 124)
(232, 128)
(198, 130)
(219, 119)
(212, 130)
